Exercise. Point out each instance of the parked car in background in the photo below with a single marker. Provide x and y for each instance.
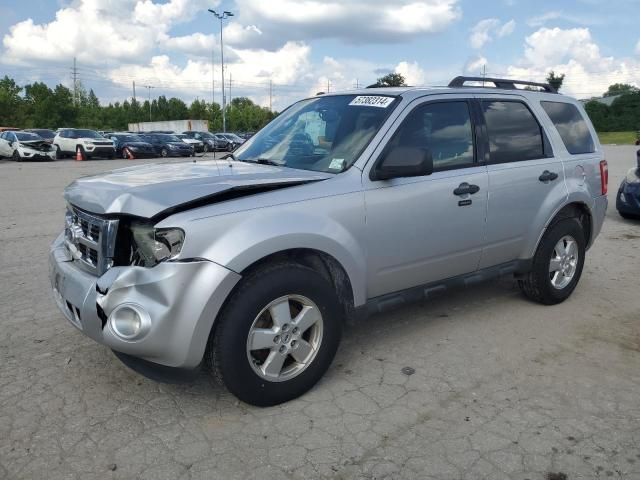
(246, 135)
(128, 145)
(9, 129)
(167, 145)
(198, 145)
(234, 140)
(212, 143)
(45, 133)
(88, 143)
(349, 202)
(628, 199)
(19, 146)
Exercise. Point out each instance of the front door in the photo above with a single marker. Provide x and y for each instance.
(425, 229)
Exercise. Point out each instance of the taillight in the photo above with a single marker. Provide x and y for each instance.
(604, 176)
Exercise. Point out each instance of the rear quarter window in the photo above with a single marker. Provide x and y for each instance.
(571, 126)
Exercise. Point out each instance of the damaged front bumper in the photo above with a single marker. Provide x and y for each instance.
(178, 300)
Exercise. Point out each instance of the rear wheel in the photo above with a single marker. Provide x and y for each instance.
(277, 335)
(206, 148)
(164, 153)
(557, 264)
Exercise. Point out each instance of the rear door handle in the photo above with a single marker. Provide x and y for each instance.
(547, 176)
(464, 188)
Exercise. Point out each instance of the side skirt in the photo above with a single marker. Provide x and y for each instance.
(415, 294)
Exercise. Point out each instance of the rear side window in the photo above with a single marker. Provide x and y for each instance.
(514, 133)
(444, 128)
(571, 126)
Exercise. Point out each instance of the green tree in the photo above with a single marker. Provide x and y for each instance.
(390, 80)
(555, 81)
(11, 108)
(620, 89)
(599, 114)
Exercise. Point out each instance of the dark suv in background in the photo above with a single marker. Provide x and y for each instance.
(168, 145)
(212, 143)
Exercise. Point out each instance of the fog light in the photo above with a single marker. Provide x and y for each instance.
(129, 321)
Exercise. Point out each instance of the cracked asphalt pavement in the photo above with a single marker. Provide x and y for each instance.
(497, 387)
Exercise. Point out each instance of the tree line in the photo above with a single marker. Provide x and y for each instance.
(38, 106)
(623, 115)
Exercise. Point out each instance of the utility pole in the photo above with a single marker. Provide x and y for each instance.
(149, 87)
(75, 82)
(213, 78)
(134, 91)
(222, 16)
(484, 73)
(328, 86)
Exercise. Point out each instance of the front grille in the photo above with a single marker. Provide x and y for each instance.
(90, 240)
(103, 143)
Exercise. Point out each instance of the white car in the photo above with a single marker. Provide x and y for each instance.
(25, 146)
(70, 141)
(198, 145)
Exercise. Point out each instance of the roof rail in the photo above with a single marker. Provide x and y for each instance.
(500, 83)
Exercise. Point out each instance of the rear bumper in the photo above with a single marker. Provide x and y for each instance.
(182, 299)
(599, 212)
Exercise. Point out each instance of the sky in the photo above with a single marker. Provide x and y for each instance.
(278, 51)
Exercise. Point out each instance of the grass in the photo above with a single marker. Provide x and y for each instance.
(619, 138)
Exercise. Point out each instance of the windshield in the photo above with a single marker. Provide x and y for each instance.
(129, 138)
(324, 134)
(207, 135)
(27, 137)
(44, 133)
(169, 138)
(86, 134)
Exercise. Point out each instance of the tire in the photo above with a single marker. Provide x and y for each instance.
(538, 284)
(59, 155)
(206, 148)
(164, 153)
(16, 156)
(125, 154)
(228, 352)
(628, 216)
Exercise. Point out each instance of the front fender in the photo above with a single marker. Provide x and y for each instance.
(263, 232)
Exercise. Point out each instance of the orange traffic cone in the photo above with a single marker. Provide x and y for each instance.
(79, 154)
(130, 155)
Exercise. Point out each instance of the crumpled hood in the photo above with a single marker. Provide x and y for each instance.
(149, 190)
(41, 145)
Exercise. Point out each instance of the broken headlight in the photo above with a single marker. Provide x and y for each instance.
(154, 245)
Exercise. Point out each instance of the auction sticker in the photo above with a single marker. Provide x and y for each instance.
(371, 101)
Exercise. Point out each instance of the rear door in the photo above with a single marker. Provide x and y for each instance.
(425, 229)
(526, 180)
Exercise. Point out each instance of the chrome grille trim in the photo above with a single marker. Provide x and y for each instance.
(90, 240)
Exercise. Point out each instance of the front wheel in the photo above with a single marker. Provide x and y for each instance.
(164, 153)
(557, 264)
(277, 335)
(16, 156)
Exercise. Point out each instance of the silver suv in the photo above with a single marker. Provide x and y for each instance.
(345, 203)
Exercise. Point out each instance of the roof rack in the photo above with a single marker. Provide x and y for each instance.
(500, 83)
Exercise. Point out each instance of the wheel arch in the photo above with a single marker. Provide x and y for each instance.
(574, 209)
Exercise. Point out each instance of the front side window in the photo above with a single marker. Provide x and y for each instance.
(571, 126)
(514, 133)
(325, 133)
(442, 128)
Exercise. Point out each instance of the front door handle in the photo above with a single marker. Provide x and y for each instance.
(464, 188)
(547, 176)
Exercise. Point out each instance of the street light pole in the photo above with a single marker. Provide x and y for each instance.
(222, 16)
(149, 87)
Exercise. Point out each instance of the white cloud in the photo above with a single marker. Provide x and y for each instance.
(573, 52)
(474, 66)
(96, 31)
(413, 74)
(483, 32)
(357, 21)
(553, 15)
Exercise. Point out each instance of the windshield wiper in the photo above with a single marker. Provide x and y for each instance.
(262, 161)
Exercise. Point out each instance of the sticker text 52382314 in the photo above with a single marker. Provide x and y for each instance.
(371, 101)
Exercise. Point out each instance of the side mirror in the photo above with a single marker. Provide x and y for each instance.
(402, 162)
